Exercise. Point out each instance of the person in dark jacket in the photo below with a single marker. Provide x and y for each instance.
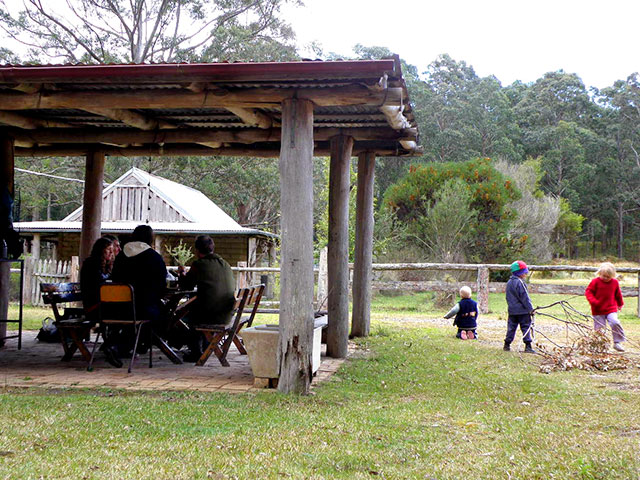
(213, 278)
(466, 315)
(519, 307)
(144, 269)
(96, 270)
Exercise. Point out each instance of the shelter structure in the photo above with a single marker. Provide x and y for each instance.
(174, 211)
(290, 110)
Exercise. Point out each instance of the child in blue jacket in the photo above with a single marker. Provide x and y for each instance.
(519, 306)
(466, 313)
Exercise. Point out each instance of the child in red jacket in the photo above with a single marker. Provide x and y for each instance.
(605, 298)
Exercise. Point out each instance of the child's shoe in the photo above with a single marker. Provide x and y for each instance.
(618, 346)
(471, 335)
(463, 334)
(528, 348)
(507, 347)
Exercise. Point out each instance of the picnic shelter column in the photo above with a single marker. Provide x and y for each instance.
(362, 272)
(338, 248)
(7, 193)
(296, 225)
(92, 202)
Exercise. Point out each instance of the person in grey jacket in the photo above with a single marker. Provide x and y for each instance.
(519, 307)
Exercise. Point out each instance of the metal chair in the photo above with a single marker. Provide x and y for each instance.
(121, 295)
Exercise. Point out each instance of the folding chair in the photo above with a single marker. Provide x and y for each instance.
(221, 337)
(121, 294)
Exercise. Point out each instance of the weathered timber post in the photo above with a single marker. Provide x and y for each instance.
(338, 247)
(92, 202)
(35, 246)
(362, 272)
(7, 192)
(483, 289)
(296, 261)
(323, 284)
(638, 310)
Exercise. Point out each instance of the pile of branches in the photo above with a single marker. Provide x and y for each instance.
(589, 348)
(590, 352)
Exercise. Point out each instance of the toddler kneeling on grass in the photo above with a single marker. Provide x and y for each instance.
(466, 313)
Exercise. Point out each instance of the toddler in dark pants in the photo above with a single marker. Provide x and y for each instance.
(519, 306)
(466, 313)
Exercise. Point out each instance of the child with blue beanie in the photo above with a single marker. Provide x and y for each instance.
(519, 307)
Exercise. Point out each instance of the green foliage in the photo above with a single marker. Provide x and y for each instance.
(413, 198)
(567, 229)
(181, 253)
(119, 31)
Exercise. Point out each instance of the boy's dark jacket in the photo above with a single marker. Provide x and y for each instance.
(468, 314)
(518, 301)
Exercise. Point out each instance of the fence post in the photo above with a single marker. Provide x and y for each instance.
(74, 272)
(323, 281)
(241, 278)
(638, 312)
(27, 280)
(483, 289)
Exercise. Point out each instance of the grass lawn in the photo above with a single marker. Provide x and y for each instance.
(413, 402)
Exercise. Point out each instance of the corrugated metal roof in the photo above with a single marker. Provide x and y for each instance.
(68, 109)
(203, 215)
(120, 227)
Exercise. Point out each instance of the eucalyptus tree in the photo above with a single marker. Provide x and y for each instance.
(105, 31)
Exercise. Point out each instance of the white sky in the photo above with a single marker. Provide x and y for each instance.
(511, 39)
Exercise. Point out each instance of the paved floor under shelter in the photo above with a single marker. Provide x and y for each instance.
(39, 364)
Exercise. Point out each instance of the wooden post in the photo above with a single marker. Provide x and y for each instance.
(7, 187)
(29, 263)
(296, 267)
(35, 246)
(323, 283)
(241, 277)
(252, 249)
(483, 289)
(638, 309)
(362, 272)
(75, 269)
(92, 202)
(338, 248)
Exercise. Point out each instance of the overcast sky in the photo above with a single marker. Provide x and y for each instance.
(511, 39)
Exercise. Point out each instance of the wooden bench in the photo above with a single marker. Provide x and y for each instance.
(220, 337)
(73, 327)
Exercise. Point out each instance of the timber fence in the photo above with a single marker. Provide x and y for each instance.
(483, 285)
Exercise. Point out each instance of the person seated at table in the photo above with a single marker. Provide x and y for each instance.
(215, 299)
(144, 269)
(95, 271)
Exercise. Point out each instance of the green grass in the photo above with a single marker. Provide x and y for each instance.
(412, 403)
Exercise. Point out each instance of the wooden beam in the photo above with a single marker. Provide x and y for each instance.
(92, 203)
(362, 271)
(296, 274)
(252, 117)
(131, 118)
(321, 150)
(338, 253)
(250, 98)
(29, 123)
(119, 136)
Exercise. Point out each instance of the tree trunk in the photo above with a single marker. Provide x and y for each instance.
(92, 203)
(620, 230)
(297, 283)
(338, 253)
(362, 271)
(7, 186)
